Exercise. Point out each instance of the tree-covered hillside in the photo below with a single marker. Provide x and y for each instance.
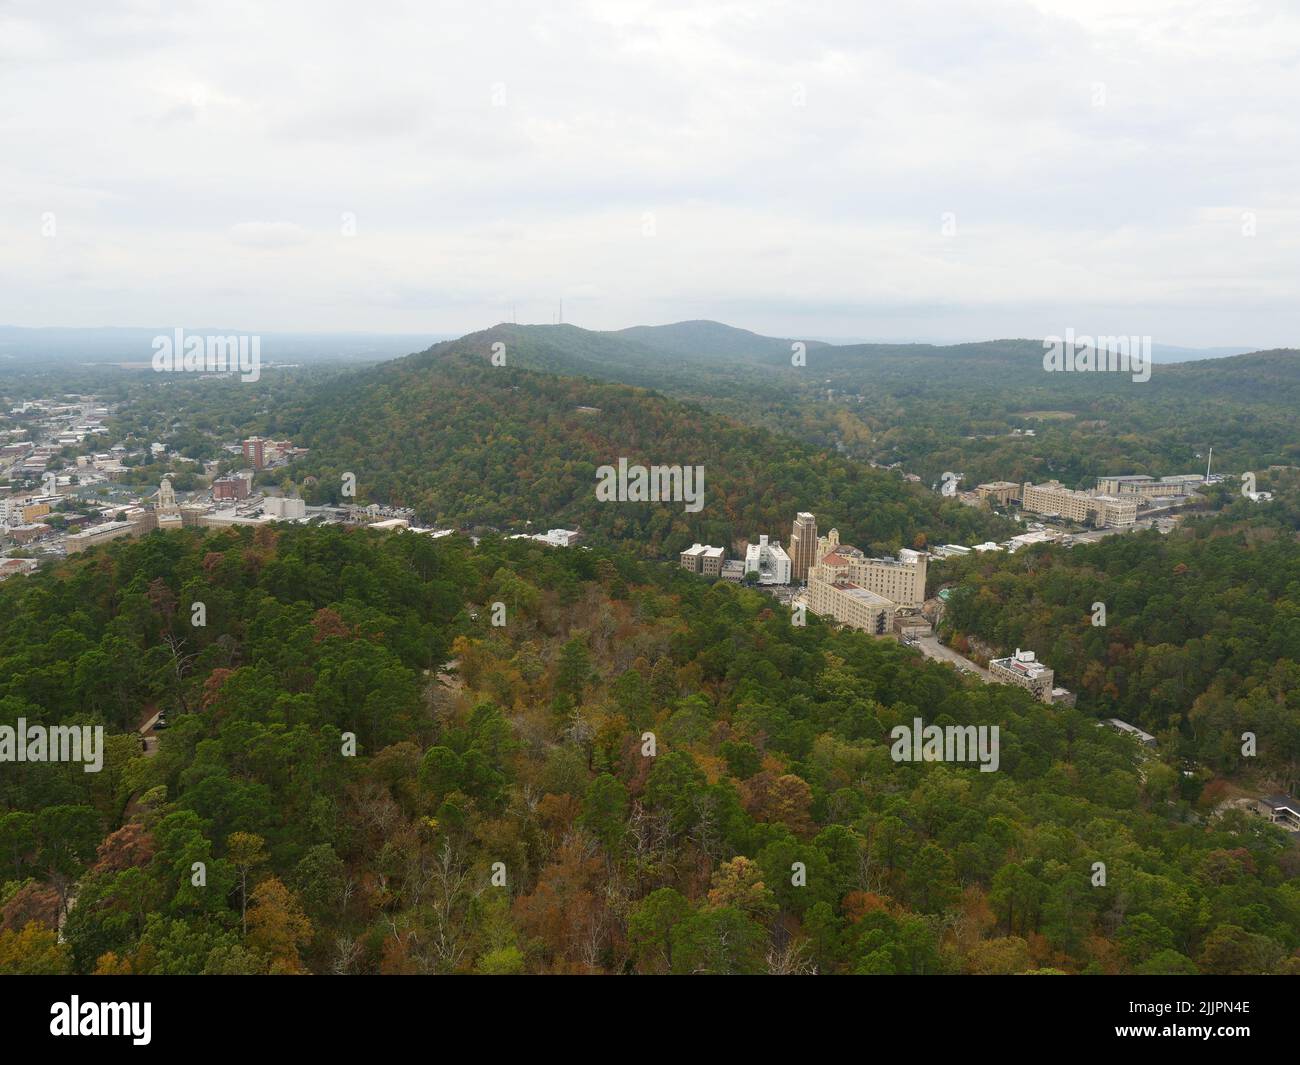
(466, 442)
(1200, 636)
(936, 409)
(636, 772)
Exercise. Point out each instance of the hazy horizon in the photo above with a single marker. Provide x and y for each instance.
(103, 336)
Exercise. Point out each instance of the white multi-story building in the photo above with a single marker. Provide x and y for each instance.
(768, 559)
(286, 508)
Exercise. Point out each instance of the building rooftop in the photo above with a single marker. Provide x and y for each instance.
(863, 595)
(1132, 730)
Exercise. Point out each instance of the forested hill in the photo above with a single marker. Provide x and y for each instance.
(947, 408)
(1201, 640)
(511, 817)
(466, 442)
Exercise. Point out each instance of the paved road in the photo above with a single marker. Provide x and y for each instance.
(932, 648)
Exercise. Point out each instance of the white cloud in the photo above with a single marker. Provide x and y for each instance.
(797, 159)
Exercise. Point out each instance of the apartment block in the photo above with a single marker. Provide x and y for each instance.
(704, 560)
(1053, 499)
(254, 449)
(1024, 669)
(234, 486)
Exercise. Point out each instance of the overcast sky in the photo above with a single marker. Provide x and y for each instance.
(872, 169)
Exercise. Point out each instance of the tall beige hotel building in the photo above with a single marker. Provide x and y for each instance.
(803, 546)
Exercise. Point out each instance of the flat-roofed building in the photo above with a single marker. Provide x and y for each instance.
(98, 534)
(1000, 493)
(1115, 512)
(1144, 738)
(733, 570)
(768, 559)
(1186, 483)
(1024, 669)
(704, 560)
(803, 546)
(1125, 484)
(286, 508)
(1084, 508)
(850, 605)
(901, 580)
(232, 487)
(224, 519)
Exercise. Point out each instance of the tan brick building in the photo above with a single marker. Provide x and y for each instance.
(803, 546)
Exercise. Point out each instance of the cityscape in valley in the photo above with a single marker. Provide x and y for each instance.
(650, 490)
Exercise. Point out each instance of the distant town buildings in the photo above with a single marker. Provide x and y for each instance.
(13, 567)
(900, 580)
(553, 537)
(98, 534)
(15, 511)
(1148, 487)
(850, 605)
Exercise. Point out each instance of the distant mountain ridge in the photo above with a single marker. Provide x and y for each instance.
(932, 409)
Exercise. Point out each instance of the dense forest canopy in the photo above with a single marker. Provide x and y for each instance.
(464, 442)
(508, 818)
(947, 408)
(1200, 640)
